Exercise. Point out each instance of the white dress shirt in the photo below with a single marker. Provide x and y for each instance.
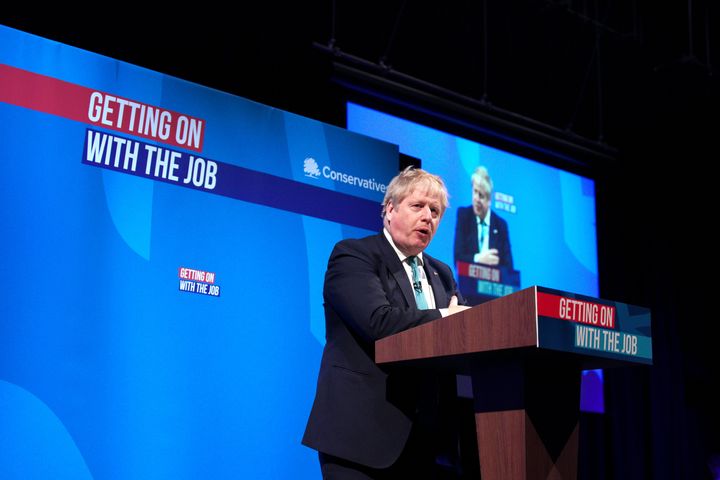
(426, 288)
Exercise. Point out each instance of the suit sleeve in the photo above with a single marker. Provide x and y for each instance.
(360, 288)
(505, 251)
(465, 246)
(508, 262)
(456, 291)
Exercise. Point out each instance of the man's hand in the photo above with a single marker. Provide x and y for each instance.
(488, 257)
(454, 307)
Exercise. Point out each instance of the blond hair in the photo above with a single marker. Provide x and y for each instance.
(481, 177)
(411, 179)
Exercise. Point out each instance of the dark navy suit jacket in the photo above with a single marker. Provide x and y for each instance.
(362, 411)
(466, 237)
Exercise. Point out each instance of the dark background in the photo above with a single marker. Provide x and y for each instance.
(622, 91)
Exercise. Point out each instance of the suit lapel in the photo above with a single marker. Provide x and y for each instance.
(493, 231)
(395, 266)
(475, 230)
(441, 298)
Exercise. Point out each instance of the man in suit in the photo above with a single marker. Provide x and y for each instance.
(481, 235)
(367, 420)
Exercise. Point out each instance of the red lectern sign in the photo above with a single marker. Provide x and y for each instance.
(592, 326)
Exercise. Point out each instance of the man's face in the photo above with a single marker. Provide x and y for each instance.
(412, 222)
(481, 200)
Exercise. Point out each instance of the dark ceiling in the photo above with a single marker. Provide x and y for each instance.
(590, 69)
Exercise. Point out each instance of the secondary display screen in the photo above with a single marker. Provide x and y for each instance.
(541, 228)
(541, 219)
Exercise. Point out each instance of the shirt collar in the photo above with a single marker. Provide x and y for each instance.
(487, 218)
(401, 255)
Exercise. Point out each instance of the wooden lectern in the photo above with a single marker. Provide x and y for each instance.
(524, 353)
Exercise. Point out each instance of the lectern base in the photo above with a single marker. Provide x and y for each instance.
(504, 431)
(527, 420)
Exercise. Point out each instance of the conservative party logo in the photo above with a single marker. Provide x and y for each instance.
(312, 170)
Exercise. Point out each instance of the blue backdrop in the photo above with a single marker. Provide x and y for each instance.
(113, 363)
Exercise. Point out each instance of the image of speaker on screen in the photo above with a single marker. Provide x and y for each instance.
(481, 235)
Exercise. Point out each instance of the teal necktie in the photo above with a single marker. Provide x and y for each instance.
(417, 284)
(481, 236)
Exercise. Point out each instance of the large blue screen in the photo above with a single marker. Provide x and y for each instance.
(163, 247)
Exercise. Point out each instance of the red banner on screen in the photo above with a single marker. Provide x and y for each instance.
(68, 100)
(481, 272)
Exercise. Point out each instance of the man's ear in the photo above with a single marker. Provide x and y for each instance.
(389, 209)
